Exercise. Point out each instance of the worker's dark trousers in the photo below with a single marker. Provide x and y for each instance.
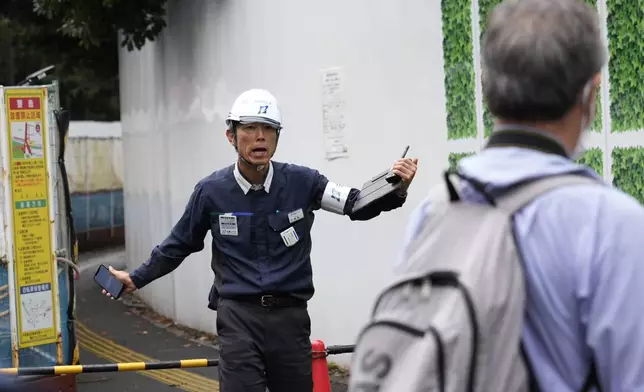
(264, 347)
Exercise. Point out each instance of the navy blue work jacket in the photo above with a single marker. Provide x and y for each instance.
(261, 237)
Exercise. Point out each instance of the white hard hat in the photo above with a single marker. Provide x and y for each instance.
(256, 105)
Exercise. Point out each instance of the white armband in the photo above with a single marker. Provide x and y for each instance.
(334, 198)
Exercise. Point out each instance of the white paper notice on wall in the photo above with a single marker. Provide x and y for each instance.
(334, 113)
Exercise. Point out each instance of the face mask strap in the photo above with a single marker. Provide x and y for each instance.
(588, 106)
(587, 117)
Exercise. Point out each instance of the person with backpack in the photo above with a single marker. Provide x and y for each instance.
(522, 270)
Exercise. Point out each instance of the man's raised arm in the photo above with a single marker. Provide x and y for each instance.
(340, 200)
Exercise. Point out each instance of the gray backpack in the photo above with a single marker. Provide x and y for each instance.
(451, 320)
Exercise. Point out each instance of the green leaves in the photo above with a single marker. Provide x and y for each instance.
(625, 22)
(485, 7)
(79, 37)
(628, 171)
(88, 77)
(597, 124)
(454, 157)
(459, 69)
(593, 158)
(93, 22)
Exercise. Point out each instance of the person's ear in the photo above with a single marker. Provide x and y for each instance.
(596, 82)
(231, 137)
(597, 79)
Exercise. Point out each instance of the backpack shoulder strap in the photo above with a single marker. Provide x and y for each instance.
(523, 193)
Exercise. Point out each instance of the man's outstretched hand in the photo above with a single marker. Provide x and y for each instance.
(123, 277)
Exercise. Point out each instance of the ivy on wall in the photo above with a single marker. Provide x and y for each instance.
(628, 164)
(597, 125)
(454, 157)
(625, 22)
(459, 69)
(593, 158)
(485, 7)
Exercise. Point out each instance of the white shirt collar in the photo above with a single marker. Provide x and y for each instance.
(247, 186)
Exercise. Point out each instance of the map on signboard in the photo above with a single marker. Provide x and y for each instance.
(26, 139)
(37, 311)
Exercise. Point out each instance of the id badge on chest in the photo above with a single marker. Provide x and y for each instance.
(296, 215)
(290, 237)
(228, 225)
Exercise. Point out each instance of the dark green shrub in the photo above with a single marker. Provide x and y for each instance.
(594, 158)
(628, 171)
(625, 23)
(454, 157)
(459, 69)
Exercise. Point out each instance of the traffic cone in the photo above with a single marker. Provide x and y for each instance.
(321, 380)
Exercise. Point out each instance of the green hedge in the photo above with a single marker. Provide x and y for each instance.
(485, 7)
(459, 69)
(454, 157)
(626, 66)
(597, 125)
(594, 158)
(628, 171)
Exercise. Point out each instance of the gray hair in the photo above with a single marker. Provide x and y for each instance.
(537, 57)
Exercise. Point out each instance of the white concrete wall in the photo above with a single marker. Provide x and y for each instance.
(177, 91)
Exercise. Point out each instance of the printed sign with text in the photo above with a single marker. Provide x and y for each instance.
(33, 255)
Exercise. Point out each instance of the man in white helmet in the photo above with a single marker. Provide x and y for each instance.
(260, 214)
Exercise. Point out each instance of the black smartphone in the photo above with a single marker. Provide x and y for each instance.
(108, 282)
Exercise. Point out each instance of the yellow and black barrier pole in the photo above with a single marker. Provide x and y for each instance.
(110, 367)
(144, 366)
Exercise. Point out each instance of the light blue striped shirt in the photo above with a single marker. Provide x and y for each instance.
(584, 255)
